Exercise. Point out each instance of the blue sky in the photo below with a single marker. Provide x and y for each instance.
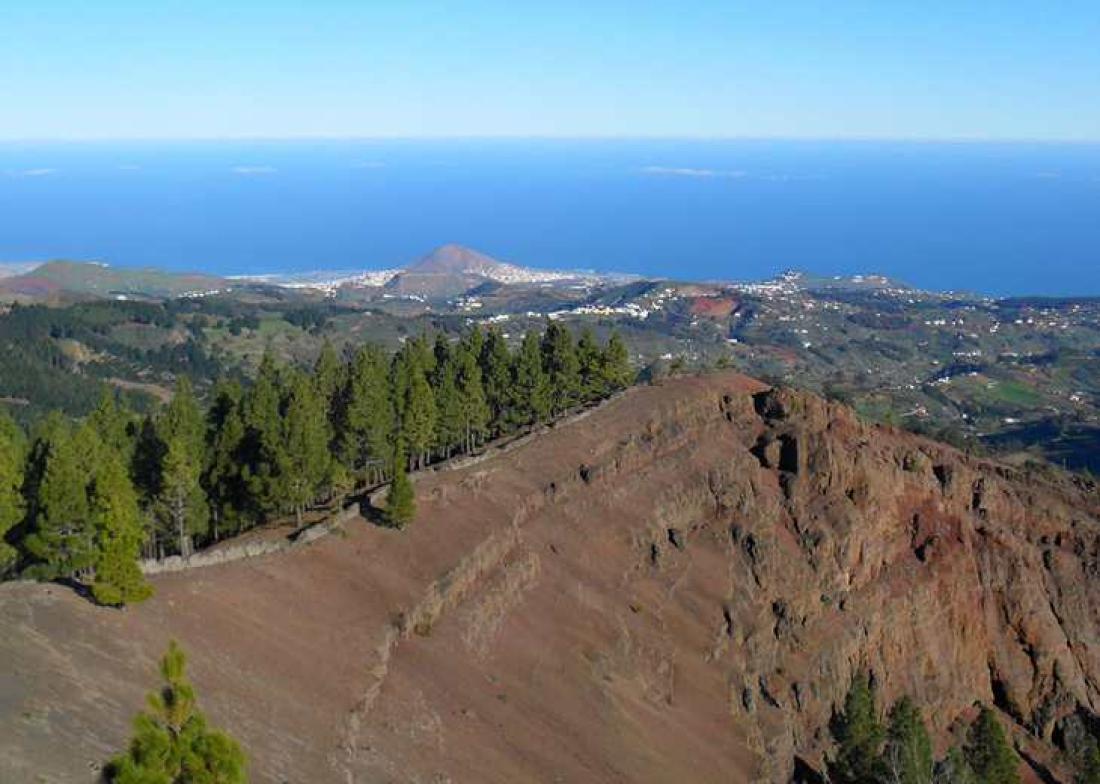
(883, 69)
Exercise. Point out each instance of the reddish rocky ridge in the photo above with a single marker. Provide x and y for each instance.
(677, 587)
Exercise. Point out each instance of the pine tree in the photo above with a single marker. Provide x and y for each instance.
(328, 380)
(182, 420)
(422, 354)
(400, 499)
(419, 415)
(173, 743)
(62, 539)
(474, 341)
(1089, 768)
(367, 422)
(859, 735)
(305, 452)
(181, 503)
(180, 500)
(416, 411)
(115, 424)
(449, 426)
(562, 368)
(496, 375)
(146, 460)
(13, 456)
(988, 752)
(328, 372)
(117, 521)
(954, 769)
(223, 479)
(338, 480)
(473, 406)
(530, 384)
(590, 365)
(907, 756)
(263, 442)
(617, 372)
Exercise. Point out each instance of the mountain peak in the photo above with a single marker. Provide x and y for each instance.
(454, 258)
(452, 269)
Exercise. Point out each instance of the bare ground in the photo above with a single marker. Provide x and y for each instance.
(508, 635)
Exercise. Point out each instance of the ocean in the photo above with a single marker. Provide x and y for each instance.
(996, 218)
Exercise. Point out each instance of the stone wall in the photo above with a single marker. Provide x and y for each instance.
(252, 549)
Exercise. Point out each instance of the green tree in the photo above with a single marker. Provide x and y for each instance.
(987, 750)
(859, 735)
(181, 504)
(473, 405)
(907, 756)
(86, 520)
(114, 423)
(590, 366)
(559, 361)
(400, 499)
(180, 501)
(1089, 767)
(328, 372)
(223, 478)
(474, 341)
(305, 451)
(617, 372)
(418, 417)
(496, 374)
(119, 535)
(954, 769)
(145, 462)
(338, 481)
(182, 419)
(262, 447)
(62, 538)
(367, 421)
(172, 743)
(13, 456)
(449, 428)
(422, 354)
(416, 410)
(530, 384)
(328, 381)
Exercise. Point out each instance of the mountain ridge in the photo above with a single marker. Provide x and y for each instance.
(677, 586)
(447, 272)
(62, 277)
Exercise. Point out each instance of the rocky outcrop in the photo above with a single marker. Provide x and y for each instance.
(676, 587)
(949, 578)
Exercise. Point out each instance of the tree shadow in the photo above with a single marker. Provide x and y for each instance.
(372, 514)
(84, 591)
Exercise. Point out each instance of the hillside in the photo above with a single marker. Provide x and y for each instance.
(676, 587)
(73, 279)
(452, 270)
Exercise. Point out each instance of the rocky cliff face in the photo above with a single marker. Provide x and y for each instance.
(675, 587)
(949, 578)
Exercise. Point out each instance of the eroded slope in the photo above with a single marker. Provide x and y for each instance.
(676, 587)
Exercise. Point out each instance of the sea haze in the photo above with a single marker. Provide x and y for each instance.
(994, 218)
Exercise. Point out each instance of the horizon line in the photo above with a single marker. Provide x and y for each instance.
(854, 138)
